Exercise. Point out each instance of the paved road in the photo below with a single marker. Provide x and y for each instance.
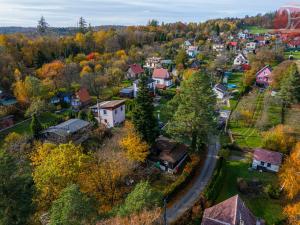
(191, 196)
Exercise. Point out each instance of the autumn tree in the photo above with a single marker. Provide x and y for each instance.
(279, 139)
(136, 149)
(72, 208)
(192, 112)
(143, 117)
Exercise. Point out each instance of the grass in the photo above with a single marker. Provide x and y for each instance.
(262, 206)
(257, 30)
(292, 118)
(295, 54)
(161, 109)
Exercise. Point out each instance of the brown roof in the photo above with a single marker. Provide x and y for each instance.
(267, 156)
(161, 73)
(136, 69)
(110, 104)
(229, 212)
(161, 86)
(83, 95)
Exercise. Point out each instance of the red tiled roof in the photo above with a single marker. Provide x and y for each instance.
(267, 156)
(233, 43)
(83, 95)
(136, 69)
(161, 86)
(230, 212)
(160, 73)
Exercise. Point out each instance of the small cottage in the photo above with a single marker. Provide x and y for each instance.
(168, 155)
(134, 71)
(75, 130)
(152, 63)
(266, 160)
(82, 98)
(250, 46)
(192, 51)
(264, 76)
(110, 113)
(162, 78)
(232, 211)
(220, 91)
(241, 59)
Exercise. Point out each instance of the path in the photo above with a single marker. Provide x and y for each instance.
(192, 195)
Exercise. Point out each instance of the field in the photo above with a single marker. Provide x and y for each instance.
(257, 30)
(261, 205)
(295, 54)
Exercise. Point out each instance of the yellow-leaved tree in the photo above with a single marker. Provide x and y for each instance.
(290, 180)
(136, 149)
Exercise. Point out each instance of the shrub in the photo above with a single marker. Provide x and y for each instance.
(273, 191)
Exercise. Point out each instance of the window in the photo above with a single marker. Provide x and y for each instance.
(104, 112)
(269, 165)
(116, 111)
(262, 163)
(121, 108)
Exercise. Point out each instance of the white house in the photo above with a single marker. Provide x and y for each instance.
(251, 46)
(221, 91)
(266, 160)
(192, 51)
(241, 59)
(162, 78)
(110, 113)
(150, 83)
(218, 47)
(152, 63)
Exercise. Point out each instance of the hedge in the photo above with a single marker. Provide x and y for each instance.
(183, 179)
(215, 185)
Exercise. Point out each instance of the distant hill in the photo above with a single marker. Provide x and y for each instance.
(57, 30)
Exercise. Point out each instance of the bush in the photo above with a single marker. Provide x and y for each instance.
(273, 191)
(184, 178)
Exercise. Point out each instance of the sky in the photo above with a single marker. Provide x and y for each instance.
(63, 13)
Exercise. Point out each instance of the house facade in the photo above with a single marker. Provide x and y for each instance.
(264, 76)
(220, 91)
(110, 113)
(152, 63)
(232, 211)
(241, 59)
(218, 47)
(250, 46)
(162, 78)
(81, 98)
(134, 71)
(151, 86)
(266, 160)
(192, 51)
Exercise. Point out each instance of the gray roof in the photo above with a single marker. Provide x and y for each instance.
(149, 81)
(68, 127)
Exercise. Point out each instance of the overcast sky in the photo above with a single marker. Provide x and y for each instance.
(127, 12)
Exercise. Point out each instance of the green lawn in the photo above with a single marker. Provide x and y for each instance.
(161, 109)
(262, 206)
(257, 30)
(296, 54)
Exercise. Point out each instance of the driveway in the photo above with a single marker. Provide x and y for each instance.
(191, 196)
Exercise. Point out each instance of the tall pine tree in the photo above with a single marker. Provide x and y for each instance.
(35, 126)
(192, 112)
(42, 26)
(143, 117)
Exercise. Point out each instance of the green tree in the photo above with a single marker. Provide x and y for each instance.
(42, 25)
(16, 191)
(71, 208)
(192, 112)
(82, 25)
(143, 196)
(91, 118)
(35, 126)
(181, 59)
(82, 115)
(143, 117)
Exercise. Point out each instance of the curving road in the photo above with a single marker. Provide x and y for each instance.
(192, 195)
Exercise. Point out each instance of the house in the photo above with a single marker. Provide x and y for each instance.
(192, 51)
(134, 71)
(266, 160)
(232, 211)
(61, 97)
(242, 35)
(127, 92)
(264, 76)
(6, 99)
(187, 44)
(250, 46)
(195, 65)
(168, 155)
(75, 130)
(221, 91)
(81, 98)
(110, 113)
(241, 59)
(162, 78)
(150, 83)
(218, 47)
(152, 63)
(232, 45)
(6, 122)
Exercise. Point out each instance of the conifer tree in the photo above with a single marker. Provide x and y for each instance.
(35, 126)
(42, 25)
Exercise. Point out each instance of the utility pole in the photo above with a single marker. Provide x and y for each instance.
(98, 111)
